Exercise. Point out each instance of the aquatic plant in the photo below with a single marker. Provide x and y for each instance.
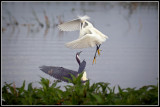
(78, 94)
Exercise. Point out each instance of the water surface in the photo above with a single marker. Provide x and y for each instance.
(129, 57)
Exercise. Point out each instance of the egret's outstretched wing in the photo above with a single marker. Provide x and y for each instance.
(89, 40)
(73, 25)
(70, 26)
(58, 72)
(82, 66)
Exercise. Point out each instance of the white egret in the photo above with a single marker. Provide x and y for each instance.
(89, 35)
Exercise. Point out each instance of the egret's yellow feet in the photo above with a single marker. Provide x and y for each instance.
(98, 51)
(94, 60)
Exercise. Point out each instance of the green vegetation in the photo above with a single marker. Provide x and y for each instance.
(78, 94)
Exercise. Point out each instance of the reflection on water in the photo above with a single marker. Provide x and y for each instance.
(131, 7)
(30, 38)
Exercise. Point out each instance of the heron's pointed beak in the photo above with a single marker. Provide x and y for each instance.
(94, 60)
(79, 52)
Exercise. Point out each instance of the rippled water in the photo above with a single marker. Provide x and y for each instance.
(129, 57)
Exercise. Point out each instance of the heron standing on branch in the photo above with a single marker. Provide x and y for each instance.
(89, 35)
(60, 72)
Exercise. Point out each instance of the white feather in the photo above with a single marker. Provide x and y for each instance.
(83, 18)
(73, 25)
(89, 35)
(89, 40)
(84, 77)
(70, 26)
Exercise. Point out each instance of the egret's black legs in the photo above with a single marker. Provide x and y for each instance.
(97, 51)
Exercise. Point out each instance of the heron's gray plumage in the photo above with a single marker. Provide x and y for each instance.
(60, 72)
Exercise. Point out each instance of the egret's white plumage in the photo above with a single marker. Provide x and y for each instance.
(84, 42)
(72, 25)
(89, 35)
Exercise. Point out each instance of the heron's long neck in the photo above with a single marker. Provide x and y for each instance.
(78, 59)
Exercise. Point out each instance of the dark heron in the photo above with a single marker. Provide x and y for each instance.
(60, 72)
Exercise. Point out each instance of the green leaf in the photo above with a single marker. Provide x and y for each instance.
(69, 80)
(73, 78)
(30, 87)
(78, 94)
(97, 98)
(80, 76)
(120, 90)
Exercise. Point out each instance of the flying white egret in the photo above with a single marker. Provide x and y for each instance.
(89, 35)
(60, 72)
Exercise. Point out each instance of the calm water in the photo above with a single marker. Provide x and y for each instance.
(129, 57)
